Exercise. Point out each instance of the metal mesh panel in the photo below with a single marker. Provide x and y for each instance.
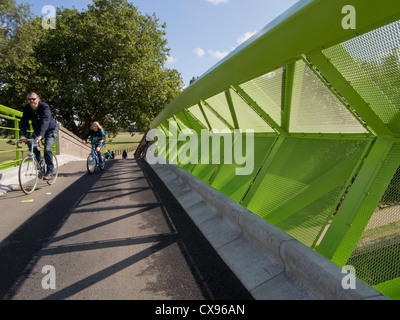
(316, 109)
(376, 256)
(309, 222)
(213, 119)
(233, 185)
(304, 183)
(266, 91)
(220, 105)
(195, 111)
(247, 117)
(370, 62)
(187, 121)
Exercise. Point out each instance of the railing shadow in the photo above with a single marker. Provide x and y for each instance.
(213, 278)
(20, 247)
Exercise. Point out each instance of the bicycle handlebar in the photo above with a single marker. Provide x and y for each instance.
(33, 141)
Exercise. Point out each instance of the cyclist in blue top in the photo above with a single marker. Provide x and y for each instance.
(97, 136)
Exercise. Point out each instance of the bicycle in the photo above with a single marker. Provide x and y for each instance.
(30, 170)
(93, 161)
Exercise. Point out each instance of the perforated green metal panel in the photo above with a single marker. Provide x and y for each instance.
(315, 108)
(266, 91)
(371, 64)
(303, 184)
(235, 186)
(246, 116)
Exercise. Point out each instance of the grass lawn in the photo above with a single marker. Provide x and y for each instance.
(4, 146)
(123, 141)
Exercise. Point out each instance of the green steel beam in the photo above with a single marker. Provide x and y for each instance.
(266, 164)
(309, 25)
(205, 116)
(358, 206)
(287, 91)
(335, 136)
(177, 123)
(195, 124)
(232, 109)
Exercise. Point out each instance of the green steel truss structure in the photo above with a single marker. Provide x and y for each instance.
(324, 103)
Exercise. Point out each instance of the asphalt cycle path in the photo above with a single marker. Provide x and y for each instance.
(115, 235)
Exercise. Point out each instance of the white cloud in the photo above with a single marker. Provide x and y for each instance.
(217, 2)
(218, 54)
(245, 36)
(199, 52)
(171, 60)
(222, 54)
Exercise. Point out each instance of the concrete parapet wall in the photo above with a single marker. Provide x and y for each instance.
(70, 144)
(271, 264)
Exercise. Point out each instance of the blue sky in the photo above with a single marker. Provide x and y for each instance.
(199, 32)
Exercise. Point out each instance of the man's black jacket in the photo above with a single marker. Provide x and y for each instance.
(42, 120)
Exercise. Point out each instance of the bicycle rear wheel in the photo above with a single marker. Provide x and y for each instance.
(55, 171)
(91, 164)
(28, 174)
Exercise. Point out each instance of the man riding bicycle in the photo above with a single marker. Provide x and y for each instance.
(97, 138)
(44, 126)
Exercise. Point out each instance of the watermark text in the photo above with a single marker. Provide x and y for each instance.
(208, 147)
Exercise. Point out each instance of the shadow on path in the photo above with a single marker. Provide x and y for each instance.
(20, 251)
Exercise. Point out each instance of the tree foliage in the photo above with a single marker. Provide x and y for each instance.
(103, 64)
(18, 36)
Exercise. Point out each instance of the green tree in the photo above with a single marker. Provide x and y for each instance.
(19, 34)
(106, 64)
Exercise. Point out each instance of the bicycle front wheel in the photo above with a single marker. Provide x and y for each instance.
(102, 164)
(55, 171)
(91, 164)
(28, 174)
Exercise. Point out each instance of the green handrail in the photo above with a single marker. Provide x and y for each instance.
(7, 161)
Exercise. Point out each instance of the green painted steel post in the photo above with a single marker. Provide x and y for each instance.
(358, 206)
(287, 95)
(205, 116)
(232, 109)
(263, 170)
(17, 151)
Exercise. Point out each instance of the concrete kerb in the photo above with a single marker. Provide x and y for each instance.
(270, 263)
(9, 177)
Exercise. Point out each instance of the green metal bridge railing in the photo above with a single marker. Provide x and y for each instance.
(11, 155)
(324, 104)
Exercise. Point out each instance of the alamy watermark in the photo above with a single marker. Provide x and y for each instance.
(349, 20)
(49, 280)
(49, 20)
(203, 148)
(349, 281)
